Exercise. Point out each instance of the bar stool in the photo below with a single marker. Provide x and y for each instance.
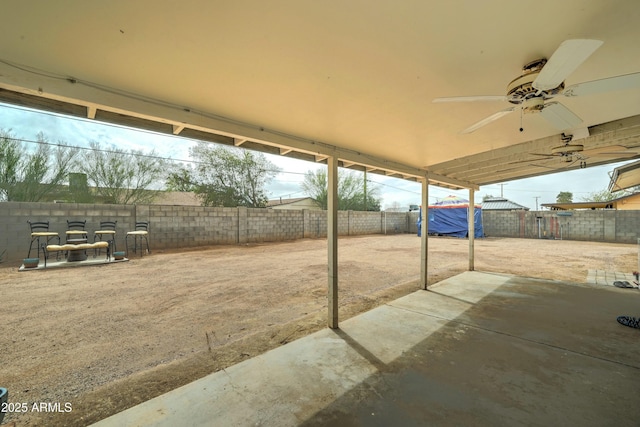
(141, 231)
(106, 232)
(76, 234)
(76, 231)
(40, 229)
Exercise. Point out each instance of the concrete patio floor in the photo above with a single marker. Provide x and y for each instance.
(476, 349)
(602, 277)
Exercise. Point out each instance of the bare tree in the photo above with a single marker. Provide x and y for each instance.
(601, 196)
(123, 177)
(351, 191)
(30, 175)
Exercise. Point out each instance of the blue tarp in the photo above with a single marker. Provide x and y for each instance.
(450, 218)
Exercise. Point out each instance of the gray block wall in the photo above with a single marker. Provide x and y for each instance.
(175, 227)
(15, 231)
(503, 224)
(397, 222)
(315, 224)
(592, 225)
(627, 226)
(270, 225)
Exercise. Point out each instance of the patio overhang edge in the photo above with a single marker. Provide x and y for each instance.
(34, 85)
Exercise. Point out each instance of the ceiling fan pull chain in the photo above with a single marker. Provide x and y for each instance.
(521, 128)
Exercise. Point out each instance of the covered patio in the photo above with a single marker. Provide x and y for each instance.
(415, 91)
(475, 349)
(444, 93)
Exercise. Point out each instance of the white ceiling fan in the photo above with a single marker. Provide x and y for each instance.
(572, 151)
(543, 80)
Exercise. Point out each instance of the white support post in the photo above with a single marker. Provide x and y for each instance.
(472, 228)
(332, 240)
(424, 252)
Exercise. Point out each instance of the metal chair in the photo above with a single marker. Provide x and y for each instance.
(75, 231)
(141, 231)
(40, 229)
(107, 231)
(76, 234)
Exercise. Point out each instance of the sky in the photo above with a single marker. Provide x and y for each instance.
(531, 192)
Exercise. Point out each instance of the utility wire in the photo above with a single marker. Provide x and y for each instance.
(150, 100)
(131, 153)
(137, 130)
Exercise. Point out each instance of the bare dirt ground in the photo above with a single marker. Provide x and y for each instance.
(100, 339)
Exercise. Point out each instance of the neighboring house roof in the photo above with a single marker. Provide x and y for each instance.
(625, 176)
(176, 198)
(452, 202)
(611, 204)
(577, 205)
(502, 204)
(302, 202)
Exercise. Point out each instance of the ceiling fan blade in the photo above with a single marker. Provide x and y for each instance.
(560, 116)
(542, 166)
(543, 155)
(617, 155)
(610, 84)
(559, 165)
(564, 61)
(486, 121)
(608, 150)
(546, 158)
(471, 98)
(613, 154)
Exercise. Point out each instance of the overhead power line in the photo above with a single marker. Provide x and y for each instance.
(130, 153)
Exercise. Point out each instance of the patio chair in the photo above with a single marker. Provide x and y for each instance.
(141, 231)
(76, 234)
(75, 231)
(40, 229)
(107, 231)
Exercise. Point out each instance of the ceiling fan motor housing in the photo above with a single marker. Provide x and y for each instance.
(567, 149)
(521, 88)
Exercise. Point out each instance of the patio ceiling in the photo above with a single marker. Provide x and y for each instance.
(354, 80)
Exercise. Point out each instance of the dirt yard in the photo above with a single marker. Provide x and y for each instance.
(100, 339)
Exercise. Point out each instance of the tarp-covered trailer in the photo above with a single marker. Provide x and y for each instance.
(449, 217)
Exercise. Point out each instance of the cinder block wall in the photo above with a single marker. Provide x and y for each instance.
(592, 225)
(270, 225)
(362, 223)
(315, 223)
(397, 222)
(174, 227)
(503, 224)
(627, 226)
(15, 232)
